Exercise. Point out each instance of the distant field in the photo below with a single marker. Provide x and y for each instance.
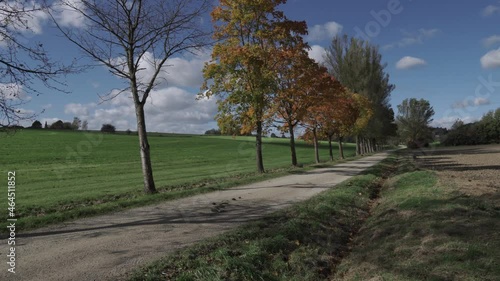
(62, 172)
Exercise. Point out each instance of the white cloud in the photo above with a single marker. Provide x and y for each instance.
(481, 101)
(491, 10)
(491, 59)
(413, 38)
(492, 40)
(178, 71)
(410, 62)
(25, 112)
(171, 106)
(25, 17)
(317, 53)
(478, 101)
(448, 121)
(167, 110)
(35, 21)
(78, 109)
(66, 13)
(185, 72)
(11, 91)
(324, 31)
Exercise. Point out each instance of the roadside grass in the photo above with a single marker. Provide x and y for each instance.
(424, 229)
(302, 242)
(67, 175)
(420, 228)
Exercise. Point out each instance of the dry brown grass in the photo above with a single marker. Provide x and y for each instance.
(475, 170)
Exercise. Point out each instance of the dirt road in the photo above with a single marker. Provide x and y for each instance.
(110, 246)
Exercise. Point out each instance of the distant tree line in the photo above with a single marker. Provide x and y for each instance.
(61, 125)
(108, 128)
(75, 125)
(213, 132)
(484, 131)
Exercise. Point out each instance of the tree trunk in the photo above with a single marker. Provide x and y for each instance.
(330, 147)
(147, 170)
(258, 147)
(292, 145)
(358, 145)
(341, 148)
(316, 148)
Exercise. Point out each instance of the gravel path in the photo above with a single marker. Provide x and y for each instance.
(110, 246)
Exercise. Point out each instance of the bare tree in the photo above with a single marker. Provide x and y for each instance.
(75, 125)
(85, 125)
(24, 64)
(128, 36)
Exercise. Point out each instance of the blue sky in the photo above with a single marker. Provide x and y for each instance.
(447, 52)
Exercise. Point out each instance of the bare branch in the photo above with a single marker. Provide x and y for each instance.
(24, 64)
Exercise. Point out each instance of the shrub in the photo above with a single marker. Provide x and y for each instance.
(108, 128)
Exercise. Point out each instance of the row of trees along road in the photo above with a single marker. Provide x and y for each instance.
(262, 75)
(358, 66)
(259, 71)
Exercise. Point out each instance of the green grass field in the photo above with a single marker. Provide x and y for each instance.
(63, 175)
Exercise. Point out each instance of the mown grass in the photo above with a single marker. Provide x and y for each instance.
(66, 175)
(424, 229)
(302, 242)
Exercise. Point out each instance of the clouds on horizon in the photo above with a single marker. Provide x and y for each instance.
(448, 121)
(171, 106)
(478, 101)
(169, 109)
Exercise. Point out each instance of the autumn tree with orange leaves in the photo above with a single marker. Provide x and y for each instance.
(242, 72)
(297, 84)
(348, 115)
(337, 119)
(318, 117)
